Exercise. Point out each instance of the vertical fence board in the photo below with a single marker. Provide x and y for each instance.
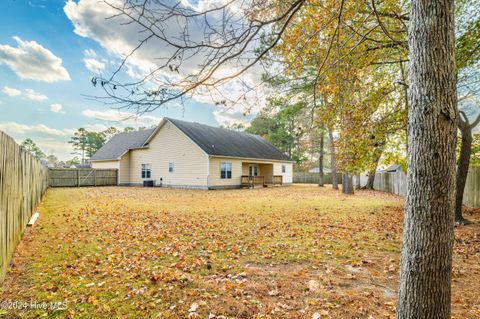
(23, 181)
(396, 183)
(76, 177)
(312, 178)
(472, 187)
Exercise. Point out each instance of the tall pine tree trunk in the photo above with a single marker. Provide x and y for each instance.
(333, 160)
(321, 179)
(426, 260)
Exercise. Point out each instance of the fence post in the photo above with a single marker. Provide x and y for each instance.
(94, 177)
(78, 178)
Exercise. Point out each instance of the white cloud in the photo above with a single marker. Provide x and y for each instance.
(94, 65)
(60, 148)
(56, 108)
(89, 18)
(89, 53)
(26, 93)
(231, 116)
(31, 61)
(11, 91)
(16, 128)
(95, 127)
(125, 118)
(34, 96)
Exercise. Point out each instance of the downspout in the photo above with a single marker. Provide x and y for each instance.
(118, 172)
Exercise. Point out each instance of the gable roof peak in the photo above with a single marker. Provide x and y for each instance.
(120, 143)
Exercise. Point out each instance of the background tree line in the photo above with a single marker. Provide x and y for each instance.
(84, 142)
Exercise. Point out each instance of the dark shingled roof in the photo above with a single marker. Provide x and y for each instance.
(214, 141)
(120, 143)
(223, 142)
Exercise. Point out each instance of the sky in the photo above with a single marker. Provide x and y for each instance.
(49, 51)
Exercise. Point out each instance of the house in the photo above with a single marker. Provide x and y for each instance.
(193, 155)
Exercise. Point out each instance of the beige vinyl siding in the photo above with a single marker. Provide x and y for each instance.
(245, 168)
(288, 175)
(124, 171)
(264, 168)
(216, 181)
(105, 164)
(170, 145)
(241, 167)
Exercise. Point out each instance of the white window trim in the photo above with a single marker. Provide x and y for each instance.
(148, 167)
(226, 174)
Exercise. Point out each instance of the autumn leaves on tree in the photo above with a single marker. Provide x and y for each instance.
(344, 63)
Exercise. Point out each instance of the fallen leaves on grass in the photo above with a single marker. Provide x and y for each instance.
(296, 252)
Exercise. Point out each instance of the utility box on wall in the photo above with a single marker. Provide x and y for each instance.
(148, 183)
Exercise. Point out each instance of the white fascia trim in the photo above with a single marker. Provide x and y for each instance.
(254, 159)
(107, 160)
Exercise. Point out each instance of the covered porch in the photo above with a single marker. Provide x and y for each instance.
(259, 174)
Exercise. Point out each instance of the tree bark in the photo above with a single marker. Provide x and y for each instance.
(347, 184)
(405, 92)
(426, 260)
(333, 161)
(463, 164)
(371, 174)
(370, 180)
(462, 172)
(321, 179)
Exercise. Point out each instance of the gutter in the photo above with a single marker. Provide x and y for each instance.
(255, 159)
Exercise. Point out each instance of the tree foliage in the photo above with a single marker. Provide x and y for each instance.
(283, 124)
(86, 143)
(347, 57)
(29, 146)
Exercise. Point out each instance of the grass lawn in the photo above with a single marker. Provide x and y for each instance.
(292, 252)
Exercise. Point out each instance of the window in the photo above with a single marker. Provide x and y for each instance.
(284, 168)
(170, 167)
(225, 170)
(146, 171)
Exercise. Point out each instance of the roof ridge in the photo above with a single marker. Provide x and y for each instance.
(215, 127)
(233, 143)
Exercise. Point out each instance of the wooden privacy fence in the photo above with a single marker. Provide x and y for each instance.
(312, 178)
(471, 196)
(391, 182)
(76, 177)
(23, 181)
(396, 183)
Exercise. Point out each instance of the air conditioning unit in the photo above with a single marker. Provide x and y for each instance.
(148, 183)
